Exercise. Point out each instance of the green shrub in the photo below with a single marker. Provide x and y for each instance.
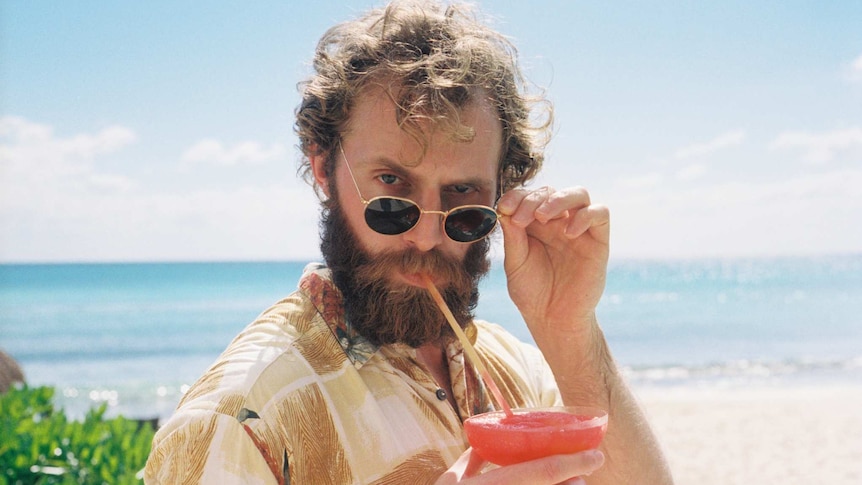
(40, 445)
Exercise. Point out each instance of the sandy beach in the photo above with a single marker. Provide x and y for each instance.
(766, 435)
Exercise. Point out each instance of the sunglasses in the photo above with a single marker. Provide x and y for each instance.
(397, 215)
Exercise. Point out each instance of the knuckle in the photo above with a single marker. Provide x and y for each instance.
(551, 469)
(581, 193)
(540, 194)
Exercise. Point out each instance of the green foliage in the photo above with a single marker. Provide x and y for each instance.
(39, 445)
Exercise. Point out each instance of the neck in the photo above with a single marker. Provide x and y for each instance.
(433, 357)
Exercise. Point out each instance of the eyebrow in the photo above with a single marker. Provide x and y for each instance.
(386, 163)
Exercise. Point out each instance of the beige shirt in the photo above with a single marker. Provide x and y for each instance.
(296, 398)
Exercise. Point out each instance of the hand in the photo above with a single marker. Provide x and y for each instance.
(552, 470)
(556, 253)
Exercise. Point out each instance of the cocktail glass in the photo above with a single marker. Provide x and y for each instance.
(515, 435)
(535, 433)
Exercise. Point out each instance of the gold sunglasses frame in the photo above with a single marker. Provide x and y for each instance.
(422, 211)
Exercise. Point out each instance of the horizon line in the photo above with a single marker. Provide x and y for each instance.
(494, 259)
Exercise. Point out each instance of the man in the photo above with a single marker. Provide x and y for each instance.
(413, 127)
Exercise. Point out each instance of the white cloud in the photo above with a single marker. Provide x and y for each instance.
(721, 141)
(108, 140)
(33, 148)
(688, 173)
(854, 70)
(119, 183)
(812, 213)
(691, 172)
(215, 152)
(273, 222)
(641, 181)
(19, 128)
(38, 165)
(821, 147)
(58, 204)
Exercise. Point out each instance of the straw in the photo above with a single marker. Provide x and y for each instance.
(468, 347)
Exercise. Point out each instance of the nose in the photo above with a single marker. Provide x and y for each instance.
(428, 232)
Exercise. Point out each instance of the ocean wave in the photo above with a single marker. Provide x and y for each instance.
(745, 371)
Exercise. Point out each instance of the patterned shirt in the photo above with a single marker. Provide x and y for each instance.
(298, 398)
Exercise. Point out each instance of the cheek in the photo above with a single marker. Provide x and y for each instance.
(353, 211)
(356, 220)
(369, 241)
(454, 250)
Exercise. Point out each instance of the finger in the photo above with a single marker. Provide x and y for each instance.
(549, 470)
(516, 246)
(509, 201)
(574, 481)
(525, 212)
(474, 465)
(458, 470)
(559, 203)
(595, 218)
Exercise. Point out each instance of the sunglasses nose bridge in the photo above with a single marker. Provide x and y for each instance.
(439, 213)
(442, 214)
(426, 232)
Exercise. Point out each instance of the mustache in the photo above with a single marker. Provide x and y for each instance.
(432, 263)
(410, 313)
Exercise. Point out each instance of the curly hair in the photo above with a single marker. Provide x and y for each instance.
(436, 59)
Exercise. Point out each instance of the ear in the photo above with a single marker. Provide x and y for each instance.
(318, 169)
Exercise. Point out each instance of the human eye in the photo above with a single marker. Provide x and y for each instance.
(463, 189)
(389, 179)
(392, 183)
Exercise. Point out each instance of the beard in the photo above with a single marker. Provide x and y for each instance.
(386, 312)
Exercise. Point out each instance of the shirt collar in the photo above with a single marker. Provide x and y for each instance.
(317, 285)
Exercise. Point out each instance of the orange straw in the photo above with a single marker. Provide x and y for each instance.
(468, 347)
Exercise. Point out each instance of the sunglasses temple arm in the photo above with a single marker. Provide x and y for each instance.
(350, 171)
(500, 188)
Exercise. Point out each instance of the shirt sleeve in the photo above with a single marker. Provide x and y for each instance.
(542, 377)
(520, 366)
(207, 447)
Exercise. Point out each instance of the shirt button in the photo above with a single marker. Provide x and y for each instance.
(441, 394)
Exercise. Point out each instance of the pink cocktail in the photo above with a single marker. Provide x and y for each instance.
(535, 433)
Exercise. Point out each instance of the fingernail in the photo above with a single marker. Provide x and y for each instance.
(596, 457)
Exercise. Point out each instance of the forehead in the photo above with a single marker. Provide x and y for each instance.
(373, 133)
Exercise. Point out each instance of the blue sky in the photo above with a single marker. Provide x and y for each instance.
(147, 131)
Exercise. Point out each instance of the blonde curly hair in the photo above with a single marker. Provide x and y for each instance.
(436, 59)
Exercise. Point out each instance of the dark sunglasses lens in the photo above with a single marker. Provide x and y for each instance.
(470, 223)
(391, 216)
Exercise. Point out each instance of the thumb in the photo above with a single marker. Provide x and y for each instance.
(474, 465)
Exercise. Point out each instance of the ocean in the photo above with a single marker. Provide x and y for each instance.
(135, 336)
